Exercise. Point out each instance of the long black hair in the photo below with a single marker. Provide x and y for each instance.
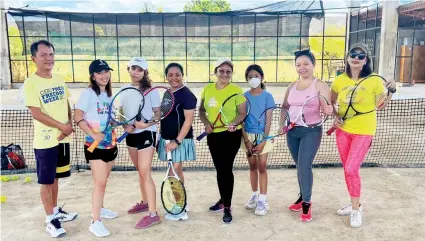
(95, 87)
(257, 68)
(366, 70)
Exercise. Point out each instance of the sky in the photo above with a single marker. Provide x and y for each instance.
(136, 5)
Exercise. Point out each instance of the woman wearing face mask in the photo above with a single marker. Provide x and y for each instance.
(353, 137)
(91, 115)
(177, 127)
(141, 141)
(224, 143)
(303, 142)
(260, 100)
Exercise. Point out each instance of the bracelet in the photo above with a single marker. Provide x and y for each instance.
(177, 141)
(79, 122)
(246, 142)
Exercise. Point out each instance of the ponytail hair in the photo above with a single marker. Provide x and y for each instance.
(145, 82)
(257, 68)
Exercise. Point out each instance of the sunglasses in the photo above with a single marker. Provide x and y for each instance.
(302, 52)
(360, 56)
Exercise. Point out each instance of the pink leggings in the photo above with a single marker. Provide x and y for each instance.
(352, 150)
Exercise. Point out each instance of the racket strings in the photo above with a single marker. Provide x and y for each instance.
(174, 195)
(313, 111)
(230, 113)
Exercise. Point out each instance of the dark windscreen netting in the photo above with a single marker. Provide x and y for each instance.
(268, 35)
(399, 141)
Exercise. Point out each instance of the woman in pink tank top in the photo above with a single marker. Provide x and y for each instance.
(303, 142)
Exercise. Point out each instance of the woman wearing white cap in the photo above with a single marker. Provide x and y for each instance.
(223, 144)
(141, 142)
(354, 137)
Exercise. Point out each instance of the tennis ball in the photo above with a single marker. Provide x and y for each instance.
(15, 177)
(6, 179)
(3, 199)
(27, 179)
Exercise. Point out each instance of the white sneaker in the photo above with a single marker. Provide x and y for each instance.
(65, 216)
(262, 208)
(187, 207)
(182, 216)
(55, 229)
(252, 202)
(356, 218)
(346, 211)
(108, 214)
(98, 229)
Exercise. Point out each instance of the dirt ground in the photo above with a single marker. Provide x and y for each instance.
(392, 200)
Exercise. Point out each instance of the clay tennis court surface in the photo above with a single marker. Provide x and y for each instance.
(392, 200)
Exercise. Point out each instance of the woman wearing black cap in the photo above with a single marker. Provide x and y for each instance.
(91, 115)
(354, 136)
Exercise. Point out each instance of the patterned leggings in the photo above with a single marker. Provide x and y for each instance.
(352, 150)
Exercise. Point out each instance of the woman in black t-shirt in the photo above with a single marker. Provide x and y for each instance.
(177, 127)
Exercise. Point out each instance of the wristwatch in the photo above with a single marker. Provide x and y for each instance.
(177, 141)
(392, 90)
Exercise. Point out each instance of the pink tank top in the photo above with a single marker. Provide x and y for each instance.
(296, 99)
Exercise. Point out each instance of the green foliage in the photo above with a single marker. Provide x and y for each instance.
(207, 6)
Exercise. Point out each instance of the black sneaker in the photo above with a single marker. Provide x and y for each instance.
(227, 216)
(217, 207)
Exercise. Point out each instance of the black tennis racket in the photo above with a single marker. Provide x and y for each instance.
(355, 104)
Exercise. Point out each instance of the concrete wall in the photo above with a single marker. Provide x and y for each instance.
(388, 41)
(5, 77)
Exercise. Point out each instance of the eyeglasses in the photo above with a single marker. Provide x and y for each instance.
(223, 72)
(360, 56)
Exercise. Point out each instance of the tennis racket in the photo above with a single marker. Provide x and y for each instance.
(354, 104)
(268, 128)
(119, 112)
(311, 114)
(173, 192)
(228, 114)
(167, 103)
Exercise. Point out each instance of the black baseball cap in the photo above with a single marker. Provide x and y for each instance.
(98, 65)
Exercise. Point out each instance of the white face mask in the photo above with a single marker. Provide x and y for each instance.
(254, 82)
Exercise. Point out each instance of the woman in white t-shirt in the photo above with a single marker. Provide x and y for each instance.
(141, 141)
(91, 115)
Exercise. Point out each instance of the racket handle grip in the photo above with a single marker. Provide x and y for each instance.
(201, 136)
(331, 130)
(122, 137)
(93, 146)
(168, 152)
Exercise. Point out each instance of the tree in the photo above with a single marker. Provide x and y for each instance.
(207, 6)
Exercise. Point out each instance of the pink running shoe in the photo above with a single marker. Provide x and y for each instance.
(148, 221)
(297, 206)
(306, 215)
(139, 207)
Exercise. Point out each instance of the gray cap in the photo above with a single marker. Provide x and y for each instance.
(361, 46)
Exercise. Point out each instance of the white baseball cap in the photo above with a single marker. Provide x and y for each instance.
(223, 61)
(138, 61)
